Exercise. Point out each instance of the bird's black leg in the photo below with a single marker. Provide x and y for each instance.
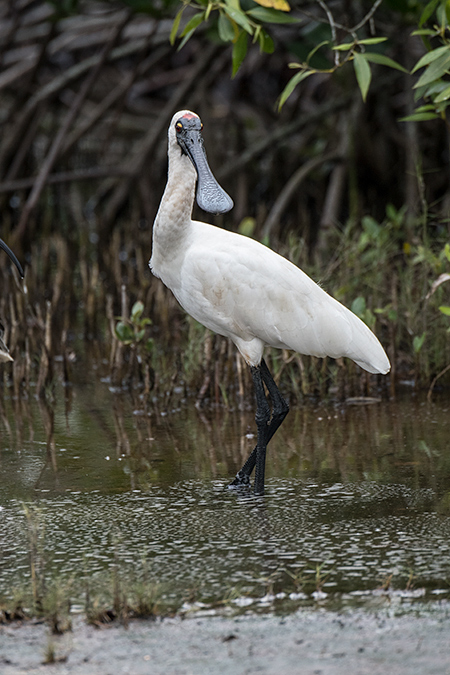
(262, 418)
(280, 406)
(279, 412)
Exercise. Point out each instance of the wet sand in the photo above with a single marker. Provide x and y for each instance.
(309, 642)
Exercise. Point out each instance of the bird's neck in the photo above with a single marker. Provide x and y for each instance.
(174, 214)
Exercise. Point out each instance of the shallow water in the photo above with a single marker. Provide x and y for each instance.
(357, 499)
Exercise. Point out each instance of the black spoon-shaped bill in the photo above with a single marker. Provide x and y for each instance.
(12, 256)
(210, 196)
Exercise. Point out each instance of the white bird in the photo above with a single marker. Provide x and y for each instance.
(5, 356)
(241, 289)
(4, 351)
(12, 256)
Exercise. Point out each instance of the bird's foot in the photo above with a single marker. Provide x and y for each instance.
(241, 480)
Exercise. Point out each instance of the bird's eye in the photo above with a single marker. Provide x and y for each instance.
(178, 126)
(201, 125)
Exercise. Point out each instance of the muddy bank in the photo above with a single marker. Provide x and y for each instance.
(310, 642)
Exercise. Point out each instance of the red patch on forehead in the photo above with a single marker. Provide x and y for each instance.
(189, 116)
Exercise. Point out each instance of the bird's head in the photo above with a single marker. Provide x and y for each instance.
(12, 256)
(186, 131)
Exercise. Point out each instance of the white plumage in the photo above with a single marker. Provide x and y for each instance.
(236, 286)
(5, 356)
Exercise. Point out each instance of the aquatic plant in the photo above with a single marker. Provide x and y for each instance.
(131, 332)
(82, 170)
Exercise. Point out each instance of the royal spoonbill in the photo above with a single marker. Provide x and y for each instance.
(5, 356)
(241, 289)
(12, 256)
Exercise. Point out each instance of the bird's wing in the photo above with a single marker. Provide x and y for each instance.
(242, 289)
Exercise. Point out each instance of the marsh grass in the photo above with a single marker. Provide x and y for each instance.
(13, 608)
(36, 548)
(123, 596)
(83, 166)
(99, 307)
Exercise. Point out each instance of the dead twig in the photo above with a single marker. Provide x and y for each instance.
(58, 141)
(435, 379)
(281, 132)
(292, 186)
(114, 95)
(94, 173)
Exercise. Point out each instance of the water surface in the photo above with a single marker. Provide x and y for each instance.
(358, 498)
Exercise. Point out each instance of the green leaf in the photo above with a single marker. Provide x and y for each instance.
(358, 306)
(435, 70)
(139, 335)
(316, 48)
(124, 332)
(136, 311)
(442, 15)
(239, 52)
(428, 11)
(235, 12)
(371, 226)
(175, 25)
(429, 57)
(383, 60)
(436, 87)
(190, 27)
(447, 251)
(247, 226)
(225, 28)
(293, 82)
(363, 74)
(430, 90)
(393, 315)
(268, 15)
(419, 117)
(445, 310)
(424, 31)
(443, 96)
(344, 47)
(428, 107)
(372, 41)
(192, 24)
(418, 342)
(265, 42)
